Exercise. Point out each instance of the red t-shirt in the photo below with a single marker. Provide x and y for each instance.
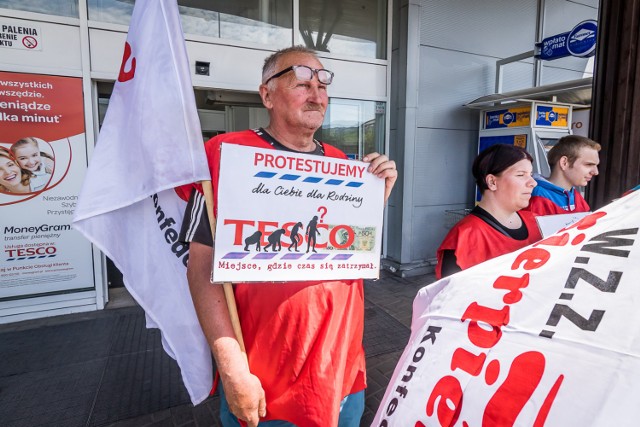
(303, 339)
(474, 241)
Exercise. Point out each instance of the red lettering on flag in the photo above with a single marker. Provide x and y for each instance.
(125, 76)
(524, 376)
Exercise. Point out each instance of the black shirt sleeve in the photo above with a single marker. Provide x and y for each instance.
(195, 224)
(449, 263)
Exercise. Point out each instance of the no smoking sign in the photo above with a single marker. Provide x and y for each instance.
(15, 34)
(29, 42)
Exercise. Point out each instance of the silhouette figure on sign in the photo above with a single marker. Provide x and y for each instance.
(254, 239)
(274, 240)
(296, 239)
(312, 229)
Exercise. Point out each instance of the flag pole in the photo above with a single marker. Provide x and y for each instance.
(207, 190)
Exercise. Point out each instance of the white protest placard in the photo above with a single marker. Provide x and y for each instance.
(284, 216)
(547, 335)
(550, 224)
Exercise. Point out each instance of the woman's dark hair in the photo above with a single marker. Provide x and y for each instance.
(494, 160)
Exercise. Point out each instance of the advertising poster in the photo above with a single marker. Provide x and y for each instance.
(42, 166)
(512, 117)
(546, 335)
(554, 116)
(284, 216)
(580, 122)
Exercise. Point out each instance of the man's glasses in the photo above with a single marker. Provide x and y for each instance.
(305, 73)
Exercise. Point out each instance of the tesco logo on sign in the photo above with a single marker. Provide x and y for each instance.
(26, 252)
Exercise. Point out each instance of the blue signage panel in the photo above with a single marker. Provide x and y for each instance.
(512, 117)
(579, 42)
(582, 39)
(553, 47)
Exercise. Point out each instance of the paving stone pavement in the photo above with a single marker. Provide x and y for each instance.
(105, 369)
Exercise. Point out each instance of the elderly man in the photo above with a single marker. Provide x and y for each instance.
(574, 162)
(304, 339)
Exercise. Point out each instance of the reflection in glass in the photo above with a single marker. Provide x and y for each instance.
(356, 127)
(112, 11)
(51, 7)
(257, 21)
(354, 28)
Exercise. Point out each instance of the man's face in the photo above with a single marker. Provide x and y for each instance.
(295, 103)
(584, 168)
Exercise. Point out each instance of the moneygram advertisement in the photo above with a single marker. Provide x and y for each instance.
(42, 166)
(284, 216)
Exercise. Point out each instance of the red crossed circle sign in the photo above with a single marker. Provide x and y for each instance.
(29, 42)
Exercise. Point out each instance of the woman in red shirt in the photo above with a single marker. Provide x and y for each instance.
(496, 226)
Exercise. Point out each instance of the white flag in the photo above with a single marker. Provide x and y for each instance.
(547, 335)
(150, 143)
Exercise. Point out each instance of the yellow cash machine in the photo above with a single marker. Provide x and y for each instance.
(534, 126)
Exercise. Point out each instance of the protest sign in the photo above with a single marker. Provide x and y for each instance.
(286, 216)
(547, 335)
(550, 224)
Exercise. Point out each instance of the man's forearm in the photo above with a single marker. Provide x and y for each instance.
(243, 391)
(212, 311)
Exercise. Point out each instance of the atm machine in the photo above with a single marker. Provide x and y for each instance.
(534, 126)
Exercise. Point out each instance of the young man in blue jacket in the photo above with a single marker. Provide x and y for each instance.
(574, 162)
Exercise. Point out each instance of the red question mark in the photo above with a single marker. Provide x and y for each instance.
(324, 212)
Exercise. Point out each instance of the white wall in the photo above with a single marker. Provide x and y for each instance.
(59, 51)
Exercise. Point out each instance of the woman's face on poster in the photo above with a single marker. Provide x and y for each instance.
(28, 157)
(10, 173)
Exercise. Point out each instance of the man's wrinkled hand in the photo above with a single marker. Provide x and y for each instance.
(245, 398)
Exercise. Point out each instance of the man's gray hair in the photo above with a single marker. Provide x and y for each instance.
(268, 69)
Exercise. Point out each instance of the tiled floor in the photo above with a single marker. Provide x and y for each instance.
(105, 369)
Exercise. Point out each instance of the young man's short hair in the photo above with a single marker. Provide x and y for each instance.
(569, 146)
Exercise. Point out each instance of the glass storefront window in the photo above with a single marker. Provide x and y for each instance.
(348, 27)
(112, 11)
(50, 7)
(256, 21)
(356, 127)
